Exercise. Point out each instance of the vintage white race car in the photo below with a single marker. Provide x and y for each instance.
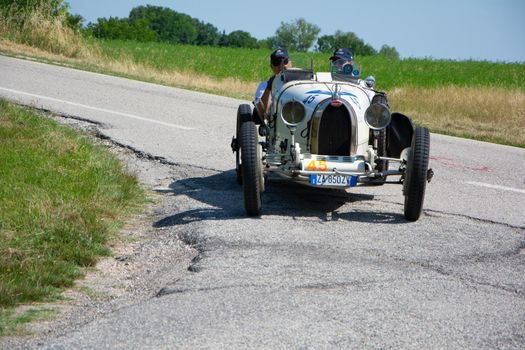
(330, 130)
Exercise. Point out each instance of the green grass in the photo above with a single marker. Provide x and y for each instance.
(13, 324)
(61, 199)
(252, 65)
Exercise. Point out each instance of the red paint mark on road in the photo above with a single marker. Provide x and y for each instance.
(452, 164)
(441, 158)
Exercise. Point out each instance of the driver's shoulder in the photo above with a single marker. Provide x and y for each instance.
(260, 90)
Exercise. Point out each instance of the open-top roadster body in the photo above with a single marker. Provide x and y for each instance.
(330, 130)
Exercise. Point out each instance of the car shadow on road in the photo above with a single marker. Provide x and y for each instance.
(222, 199)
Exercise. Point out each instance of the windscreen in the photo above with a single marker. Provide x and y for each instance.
(343, 69)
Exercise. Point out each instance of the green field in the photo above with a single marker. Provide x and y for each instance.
(61, 200)
(472, 99)
(252, 65)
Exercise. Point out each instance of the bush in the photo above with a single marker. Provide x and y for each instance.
(42, 24)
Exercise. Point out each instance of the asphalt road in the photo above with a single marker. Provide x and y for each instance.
(318, 269)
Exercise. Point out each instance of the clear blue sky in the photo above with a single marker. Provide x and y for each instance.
(491, 30)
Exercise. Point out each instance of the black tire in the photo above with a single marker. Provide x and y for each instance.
(252, 176)
(416, 174)
(244, 114)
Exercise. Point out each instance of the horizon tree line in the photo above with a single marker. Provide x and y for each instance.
(161, 24)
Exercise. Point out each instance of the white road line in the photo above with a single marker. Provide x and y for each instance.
(127, 115)
(497, 187)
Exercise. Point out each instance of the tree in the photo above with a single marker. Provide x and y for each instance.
(207, 34)
(266, 43)
(328, 43)
(223, 39)
(389, 52)
(112, 28)
(140, 31)
(169, 25)
(175, 27)
(297, 35)
(240, 38)
(185, 29)
(74, 21)
(115, 28)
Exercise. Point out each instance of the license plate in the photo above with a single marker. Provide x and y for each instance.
(333, 180)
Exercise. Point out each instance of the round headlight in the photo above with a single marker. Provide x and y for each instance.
(377, 116)
(293, 112)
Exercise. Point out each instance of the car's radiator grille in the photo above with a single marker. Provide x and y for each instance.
(335, 132)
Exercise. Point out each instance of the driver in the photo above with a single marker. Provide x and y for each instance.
(263, 93)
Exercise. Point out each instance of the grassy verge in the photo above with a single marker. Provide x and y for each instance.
(61, 199)
(42, 28)
(483, 113)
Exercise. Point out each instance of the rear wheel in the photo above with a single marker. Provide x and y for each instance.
(252, 174)
(244, 113)
(416, 174)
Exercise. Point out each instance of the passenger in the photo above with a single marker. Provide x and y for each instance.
(279, 58)
(344, 59)
(346, 55)
(342, 53)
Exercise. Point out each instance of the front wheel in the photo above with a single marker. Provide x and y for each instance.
(416, 174)
(252, 174)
